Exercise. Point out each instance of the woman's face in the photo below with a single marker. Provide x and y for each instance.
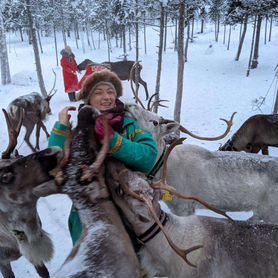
(103, 98)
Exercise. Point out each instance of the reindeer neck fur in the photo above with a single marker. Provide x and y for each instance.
(104, 249)
(238, 249)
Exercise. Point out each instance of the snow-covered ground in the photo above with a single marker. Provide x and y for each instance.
(214, 87)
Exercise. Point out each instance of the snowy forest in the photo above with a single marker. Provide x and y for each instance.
(206, 59)
(123, 20)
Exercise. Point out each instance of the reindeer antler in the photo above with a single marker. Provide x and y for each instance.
(229, 125)
(90, 171)
(158, 102)
(144, 198)
(51, 95)
(57, 172)
(162, 184)
(131, 84)
(181, 252)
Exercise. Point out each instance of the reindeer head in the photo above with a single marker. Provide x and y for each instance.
(150, 121)
(17, 178)
(135, 211)
(47, 104)
(21, 175)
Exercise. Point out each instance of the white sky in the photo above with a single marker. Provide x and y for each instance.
(214, 87)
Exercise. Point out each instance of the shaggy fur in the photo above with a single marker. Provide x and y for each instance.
(102, 76)
(18, 213)
(230, 249)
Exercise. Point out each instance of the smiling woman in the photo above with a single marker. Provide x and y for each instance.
(129, 143)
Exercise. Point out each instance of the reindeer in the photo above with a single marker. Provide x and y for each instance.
(35, 108)
(228, 180)
(256, 133)
(104, 249)
(229, 249)
(122, 69)
(18, 214)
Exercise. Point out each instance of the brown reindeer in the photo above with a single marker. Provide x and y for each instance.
(257, 133)
(122, 69)
(21, 232)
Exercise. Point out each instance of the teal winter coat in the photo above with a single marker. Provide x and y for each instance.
(135, 147)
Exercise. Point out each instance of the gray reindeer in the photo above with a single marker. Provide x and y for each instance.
(104, 249)
(229, 249)
(21, 232)
(35, 109)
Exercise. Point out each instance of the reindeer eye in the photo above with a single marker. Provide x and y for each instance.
(119, 191)
(7, 177)
(155, 123)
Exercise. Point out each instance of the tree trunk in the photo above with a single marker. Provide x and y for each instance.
(129, 38)
(187, 36)
(224, 36)
(75, 35)
(192, 30)
(265, 30)
(98, 40)
(137, 33)
(124, 43)
(255, 62)
(165, 33)
(242, 38)
(63, 24)
(160, 52)
(38, 29)
(240, 30)
(116, 38)
(39, 39)
(270, 29)
(252, 47)
(55, 43)
(21, 33)
(35, 47)
(87, 35)
(145, 34)
(229, 37)
(77, 30)
(203, 11)
(179, 93)
(108, 40)
(93, 41)
(216, 28)
(5, 68)
(176, 34)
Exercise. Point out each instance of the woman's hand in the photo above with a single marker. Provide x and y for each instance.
(64, 115)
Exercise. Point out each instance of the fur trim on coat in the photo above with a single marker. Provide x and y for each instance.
(101, 76)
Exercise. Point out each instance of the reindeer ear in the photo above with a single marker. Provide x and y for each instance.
(45, 189)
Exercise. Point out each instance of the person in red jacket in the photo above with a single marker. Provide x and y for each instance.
(69, 67)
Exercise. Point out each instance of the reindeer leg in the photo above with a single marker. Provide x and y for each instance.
(42, 271)
(265, 150)
(38, 129)
(44, 129)
(6, 270)
(29, 130)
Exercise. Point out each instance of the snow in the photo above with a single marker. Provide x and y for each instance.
(214, 87)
